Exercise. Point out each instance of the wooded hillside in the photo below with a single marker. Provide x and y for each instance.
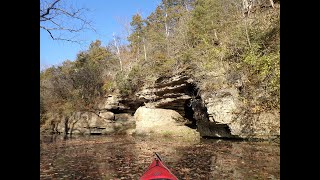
(238, 39)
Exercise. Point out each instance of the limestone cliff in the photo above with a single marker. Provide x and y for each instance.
(218, 114)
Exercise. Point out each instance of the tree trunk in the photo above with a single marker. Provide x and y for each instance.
(52, 127)
(165, 21)
(66, 128)
(166, 26)
(118, 51)
(138, 52)
(247, 33)
(145, 51)
(246, 6)
(186, 6)
(72, 126)
(272, 4)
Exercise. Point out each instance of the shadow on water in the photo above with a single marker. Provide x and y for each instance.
(126, 157)
(221, 159)
(62, 161)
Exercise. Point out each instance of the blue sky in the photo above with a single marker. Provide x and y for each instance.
(107, 17)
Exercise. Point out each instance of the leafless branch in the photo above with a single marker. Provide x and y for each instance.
(47, 10)
(125, 23)
(62, 22)
(58, 38)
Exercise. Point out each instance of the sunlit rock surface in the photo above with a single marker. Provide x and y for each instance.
(163, 122)
(93, 123)
(224, 107)
(218, 114)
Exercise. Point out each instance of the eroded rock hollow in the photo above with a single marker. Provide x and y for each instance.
(180, 93)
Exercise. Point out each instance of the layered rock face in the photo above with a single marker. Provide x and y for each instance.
(171, 106)
(93, 123)
(219, 115)
(168, 93)
(179, 93)
(119, 105)
(225, 108)
(110, 117)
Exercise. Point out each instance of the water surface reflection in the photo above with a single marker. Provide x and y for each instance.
(126, 157)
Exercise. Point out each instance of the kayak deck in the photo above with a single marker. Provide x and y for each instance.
(158, 171)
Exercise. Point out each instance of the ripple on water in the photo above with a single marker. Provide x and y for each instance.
(126, 157)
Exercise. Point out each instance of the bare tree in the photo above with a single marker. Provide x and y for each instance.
(166, 18)
(125, 23)
(63, 21)
(115, 40)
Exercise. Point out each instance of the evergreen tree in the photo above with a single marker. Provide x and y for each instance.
(138, 34)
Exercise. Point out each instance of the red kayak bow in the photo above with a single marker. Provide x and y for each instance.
(158, 171)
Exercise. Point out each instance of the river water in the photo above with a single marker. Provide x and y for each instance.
(127, 157)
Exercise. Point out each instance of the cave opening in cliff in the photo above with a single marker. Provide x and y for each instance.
(188, 114)
(192, 91)
(196, 112)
